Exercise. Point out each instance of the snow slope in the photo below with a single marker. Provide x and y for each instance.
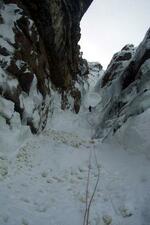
(43, 178)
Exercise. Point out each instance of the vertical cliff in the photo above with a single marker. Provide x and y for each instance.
(38, 49)
(125, 87)
(58, 24)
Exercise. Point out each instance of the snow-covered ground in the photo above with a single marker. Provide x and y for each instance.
(43, 179)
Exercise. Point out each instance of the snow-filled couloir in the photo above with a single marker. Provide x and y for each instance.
(43, 178)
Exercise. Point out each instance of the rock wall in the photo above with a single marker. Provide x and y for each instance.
(39, 46)
(58, 24)
(125, 87)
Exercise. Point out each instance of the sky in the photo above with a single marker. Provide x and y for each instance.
(109, 25)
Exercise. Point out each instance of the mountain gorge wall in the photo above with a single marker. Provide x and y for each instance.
(39, 54)
(38, 51)
(58, 22)
(125, 87)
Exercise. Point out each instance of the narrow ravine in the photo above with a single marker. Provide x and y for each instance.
(44, 180)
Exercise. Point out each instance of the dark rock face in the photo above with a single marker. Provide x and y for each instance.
(39, 45)
(23, 64)
(58, 24)
(118, 63)
(125, 87)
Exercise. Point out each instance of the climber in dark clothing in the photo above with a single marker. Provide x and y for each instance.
(90, 108)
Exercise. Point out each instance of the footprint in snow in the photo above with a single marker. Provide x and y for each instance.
(40, 207)
(58, 179)
(44, 174)
(5, 218)
(24, 222)
(25, 200)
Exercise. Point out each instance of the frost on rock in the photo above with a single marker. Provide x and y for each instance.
(24, 73)
(6, 108)
(10, 14)
(125, 87)
(87, 85)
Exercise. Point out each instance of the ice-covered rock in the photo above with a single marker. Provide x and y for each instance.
(23, 71)
(125, 87)
(38, 47)
(87, 84)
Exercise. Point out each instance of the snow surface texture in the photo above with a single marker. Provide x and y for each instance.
(43, 178)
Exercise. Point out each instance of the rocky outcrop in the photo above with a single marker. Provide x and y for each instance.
(125, 87)
(58, 24)
(24, 69)
(117, 65)
(38, 51)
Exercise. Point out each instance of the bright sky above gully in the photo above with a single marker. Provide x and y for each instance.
(110, 24)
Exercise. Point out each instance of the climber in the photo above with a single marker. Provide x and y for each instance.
(90, 108)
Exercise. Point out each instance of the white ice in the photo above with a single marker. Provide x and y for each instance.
(43, 178)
